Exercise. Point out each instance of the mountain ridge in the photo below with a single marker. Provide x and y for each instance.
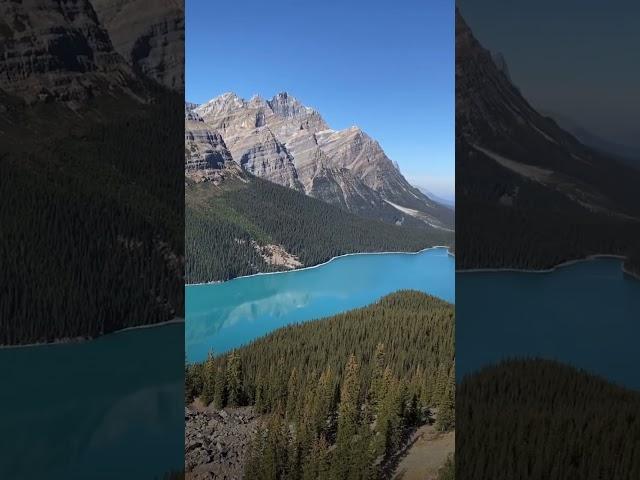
(530, 194)
(286, 142)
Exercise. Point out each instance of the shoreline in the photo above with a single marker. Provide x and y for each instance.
(70, 341)
(216, 282)
(555, 267)
(630, 273)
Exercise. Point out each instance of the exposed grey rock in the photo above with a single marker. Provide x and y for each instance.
(56, 50)
(288, 143)
(228, 432)
(149, 34)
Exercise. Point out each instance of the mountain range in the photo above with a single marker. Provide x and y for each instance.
(91, 167)
(288, 143)
(74, 51)
(530, 194)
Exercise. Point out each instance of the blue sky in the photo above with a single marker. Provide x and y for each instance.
(387, 67)
(578, 58)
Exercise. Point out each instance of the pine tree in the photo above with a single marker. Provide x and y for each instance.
(189, 383)
(220, 394)
(260, 396)
(376, 390)
(440, 390)
(294, 456)
(234, 379)
(323, 401)
(446, 408)
(209, 380)
(316, 465)
(292, 394)
(348, 416)
(383, 414)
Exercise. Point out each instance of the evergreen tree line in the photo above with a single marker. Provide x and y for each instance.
(223, 221)
(541, 227)
(92, 227)
(218, 249)
(340, 395)
(536, 419)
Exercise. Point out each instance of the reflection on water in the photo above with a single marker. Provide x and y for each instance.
(108, 408)
(224, 316)
(586, 314)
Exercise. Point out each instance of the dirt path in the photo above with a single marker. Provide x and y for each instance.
(427, 454)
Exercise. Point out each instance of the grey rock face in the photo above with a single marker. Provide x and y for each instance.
(149, 34)
(57, 50)
(217, 442)
(290, 144)
(206, 150)
(206, 157)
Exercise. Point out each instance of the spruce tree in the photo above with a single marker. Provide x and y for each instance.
(220, 394)
(234, 379)
(292, 394)
(376, 391)
(446, 408)
(348, 416)
(209, 380)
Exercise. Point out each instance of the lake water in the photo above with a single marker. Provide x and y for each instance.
(223, 316)
(586, 314)
(108, 408)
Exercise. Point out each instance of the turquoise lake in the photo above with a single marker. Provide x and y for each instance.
(108, 408)
(586, 314)
(224, 316)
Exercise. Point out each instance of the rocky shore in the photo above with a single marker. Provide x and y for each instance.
(216, 441)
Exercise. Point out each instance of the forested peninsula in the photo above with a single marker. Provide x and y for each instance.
(542, 419)
(338, 397)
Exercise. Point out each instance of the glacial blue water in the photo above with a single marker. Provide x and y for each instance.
(108, 408)
(220, 317)
(586, 314)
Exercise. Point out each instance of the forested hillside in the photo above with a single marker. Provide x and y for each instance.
(538, 419)
(529, 194)
(92, 222)
(341, 394)
(569, 231)
(222, 220)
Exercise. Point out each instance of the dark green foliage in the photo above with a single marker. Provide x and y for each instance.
(222, 221)
(535, 419)
(91, 226)
(234, 380)
(218, 249)
(348, 421)
(348, 388)
(543, 227)
(446, 403)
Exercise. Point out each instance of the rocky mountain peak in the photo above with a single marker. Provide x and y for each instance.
(288, 106)
(257, 101)
(221, 104)
(285, 142)
(58, 50)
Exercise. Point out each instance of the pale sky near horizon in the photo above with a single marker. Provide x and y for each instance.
(386, 67)
(576, 58)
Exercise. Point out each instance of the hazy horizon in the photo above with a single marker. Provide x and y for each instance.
(571, 58)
